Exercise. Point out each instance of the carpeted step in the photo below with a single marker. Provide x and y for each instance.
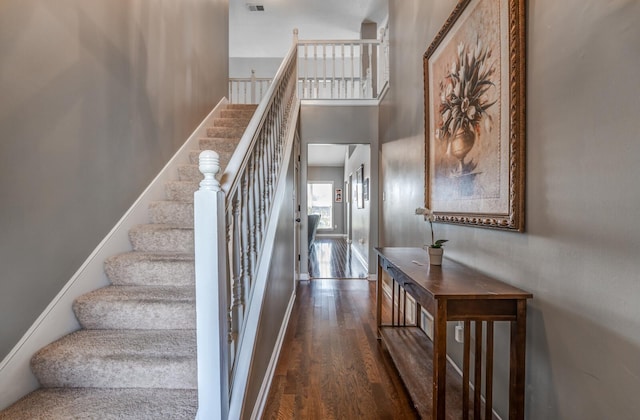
(161, 238)
(231, 122)
(191, 173)
(119, 359)
(237, 113)
(180, 190)
(224, 155)
(153, 269)
(177, 213)
(251, 107)
(105, 404)
(219, 145)
(137, 308)
(225, 132)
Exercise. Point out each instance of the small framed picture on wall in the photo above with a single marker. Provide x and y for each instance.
(365, 189)
(360, 187)
(338, 195)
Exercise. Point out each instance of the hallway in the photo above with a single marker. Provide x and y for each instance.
(332, 258)
(331, 365)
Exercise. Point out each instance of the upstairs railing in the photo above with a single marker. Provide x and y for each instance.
(329, 69)
(233, 238)
(248, 91)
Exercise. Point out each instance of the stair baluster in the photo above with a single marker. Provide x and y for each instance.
(245, 202)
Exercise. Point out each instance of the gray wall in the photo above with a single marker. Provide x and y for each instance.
(97, 95)
(240, 67)
(333, 174)
(345, 124)
(361, 218)
(279, 290)
(579, 256)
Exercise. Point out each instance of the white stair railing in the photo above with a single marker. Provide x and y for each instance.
(233, 238)
(338, 69)
(248, 91)
(335, 69)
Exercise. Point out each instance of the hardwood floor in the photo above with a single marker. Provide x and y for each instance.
(332, 258)
(331, 365)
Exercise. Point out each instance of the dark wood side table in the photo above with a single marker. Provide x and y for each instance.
(451, 292)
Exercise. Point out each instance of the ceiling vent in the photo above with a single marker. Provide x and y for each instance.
(255, 7)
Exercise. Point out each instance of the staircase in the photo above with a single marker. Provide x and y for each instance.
(135, 355)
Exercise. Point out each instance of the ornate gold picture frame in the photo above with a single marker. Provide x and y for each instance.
(474, 81)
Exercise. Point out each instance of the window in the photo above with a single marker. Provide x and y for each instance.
(320, 201)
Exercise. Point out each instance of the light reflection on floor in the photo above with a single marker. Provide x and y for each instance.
(333, 258)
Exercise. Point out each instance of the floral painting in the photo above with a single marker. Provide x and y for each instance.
(472, 148)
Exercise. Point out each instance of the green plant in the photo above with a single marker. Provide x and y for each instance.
(430, 217)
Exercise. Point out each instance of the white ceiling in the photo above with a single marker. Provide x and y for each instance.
(326, 155)
(270, 33)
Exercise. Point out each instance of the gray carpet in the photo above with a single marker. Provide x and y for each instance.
(135, 356)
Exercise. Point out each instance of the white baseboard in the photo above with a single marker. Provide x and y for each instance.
(268, 377)
(330, 235)
(360, 257)
(57, 320)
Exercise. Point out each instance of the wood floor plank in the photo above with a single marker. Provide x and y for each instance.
(331, 365)
(332, 258)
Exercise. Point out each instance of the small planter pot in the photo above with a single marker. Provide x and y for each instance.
(435, 255)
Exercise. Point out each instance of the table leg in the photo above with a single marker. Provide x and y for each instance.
(379, 300)
(440, 360)
(517, 365)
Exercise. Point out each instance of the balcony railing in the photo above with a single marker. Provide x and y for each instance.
(328, 69)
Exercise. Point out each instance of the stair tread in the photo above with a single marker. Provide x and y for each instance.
(105, 403)
(151, 268)
(119, 359)
(160, 227)
(137, 307)
(153, 256)
(158, 237)
(125, 343)
(143, 294)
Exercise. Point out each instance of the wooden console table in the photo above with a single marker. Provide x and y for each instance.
(451, 292)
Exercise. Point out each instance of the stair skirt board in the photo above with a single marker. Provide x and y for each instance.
(252, 316)
(273, 362)
(140, 343)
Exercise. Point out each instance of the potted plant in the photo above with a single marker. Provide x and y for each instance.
(435, 249)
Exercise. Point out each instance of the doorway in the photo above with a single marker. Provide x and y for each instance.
(337, 205)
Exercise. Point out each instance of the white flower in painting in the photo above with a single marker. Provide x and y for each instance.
(465, 91)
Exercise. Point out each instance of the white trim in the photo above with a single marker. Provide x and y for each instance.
(252, 320)
(372, 277)
(304, 277)
(340, 102)
(359, 256)
(330, 235)
(57, 320)
(261, 401)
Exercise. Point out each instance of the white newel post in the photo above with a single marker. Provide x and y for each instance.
(211, 293)
(253, 87)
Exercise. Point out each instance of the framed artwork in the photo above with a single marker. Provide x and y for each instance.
(338, 195)
(360, 187)
(474, 80)
(365, 189)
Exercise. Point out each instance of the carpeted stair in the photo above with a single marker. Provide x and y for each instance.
(135, 356)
